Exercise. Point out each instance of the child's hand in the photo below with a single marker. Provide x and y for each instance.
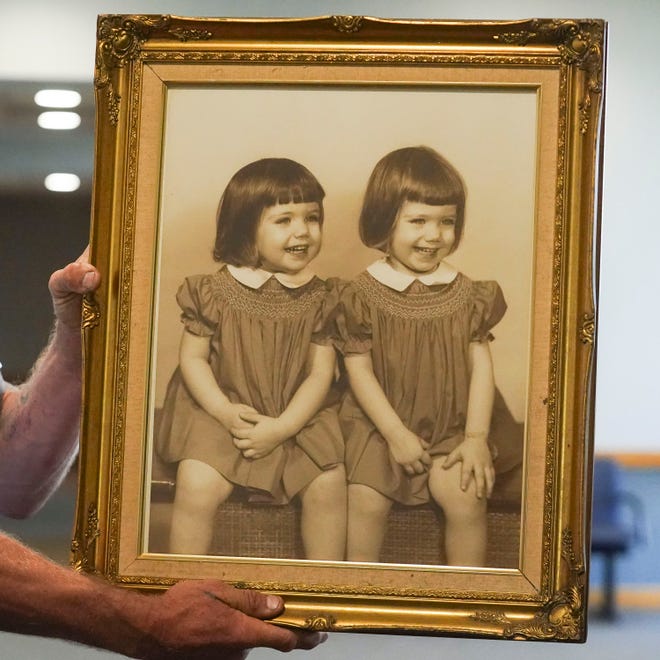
(231, 416)
(477, 464)
(409, 451)
(260, 437)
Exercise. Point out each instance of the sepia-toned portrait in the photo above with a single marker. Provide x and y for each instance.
(213, 134)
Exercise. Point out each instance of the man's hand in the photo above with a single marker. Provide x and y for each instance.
(208, 619)
(41, 418)
(67, 286)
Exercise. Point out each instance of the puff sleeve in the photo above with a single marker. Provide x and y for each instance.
(488, 308)
(199, 308)
(325, 323)
(354, 328)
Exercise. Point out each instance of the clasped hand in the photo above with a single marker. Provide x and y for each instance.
(410, 452)
(257, 435)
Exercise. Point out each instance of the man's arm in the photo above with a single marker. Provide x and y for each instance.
(39, 420)
(194, 619)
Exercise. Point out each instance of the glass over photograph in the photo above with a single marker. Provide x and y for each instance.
(341, 332)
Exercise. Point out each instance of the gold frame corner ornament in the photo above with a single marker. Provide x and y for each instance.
(562, 617)
(119, 40)
(580, 43)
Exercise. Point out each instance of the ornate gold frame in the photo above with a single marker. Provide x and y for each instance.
(138, 59)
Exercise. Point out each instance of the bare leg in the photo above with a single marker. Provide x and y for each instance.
(367, 522)
(323, 524)
(465, 516)
(199, 492)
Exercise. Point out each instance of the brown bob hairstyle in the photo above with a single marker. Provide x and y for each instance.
(253, 188)
(415, 174)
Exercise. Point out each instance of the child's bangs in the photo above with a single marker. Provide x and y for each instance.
(283, 181)
(297, 194)
(437, 192)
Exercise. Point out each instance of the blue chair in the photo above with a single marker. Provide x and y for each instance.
(617, 525)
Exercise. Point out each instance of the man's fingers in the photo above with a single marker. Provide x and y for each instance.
(264, 606)
(78, 278)
(309, 640)
(250, 602)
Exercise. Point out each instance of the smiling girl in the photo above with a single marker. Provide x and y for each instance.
(415, 337)
(249, 405)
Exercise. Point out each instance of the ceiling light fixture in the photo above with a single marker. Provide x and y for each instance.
(57, 98)
(62, 182)
(59, 121)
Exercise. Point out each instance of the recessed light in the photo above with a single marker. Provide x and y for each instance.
(57, 98)
(59, 121)
(62, 182)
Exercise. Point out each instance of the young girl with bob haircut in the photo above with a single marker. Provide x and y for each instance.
(415, 336)
(249, 404)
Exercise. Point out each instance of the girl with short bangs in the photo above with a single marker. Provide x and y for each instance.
(415, 337)
(250, 404)
(416, 175)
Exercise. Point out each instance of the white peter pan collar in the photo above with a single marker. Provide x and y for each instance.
(255, 278)
(394, 279)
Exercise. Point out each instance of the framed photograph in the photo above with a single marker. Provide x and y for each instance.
(344, 345)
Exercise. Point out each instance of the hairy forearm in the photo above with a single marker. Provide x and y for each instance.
(192, 619)
(38, 597)
(39, 426)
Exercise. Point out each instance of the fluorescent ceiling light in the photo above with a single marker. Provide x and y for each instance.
(57, 98)
(59, 121)
(62, 182)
